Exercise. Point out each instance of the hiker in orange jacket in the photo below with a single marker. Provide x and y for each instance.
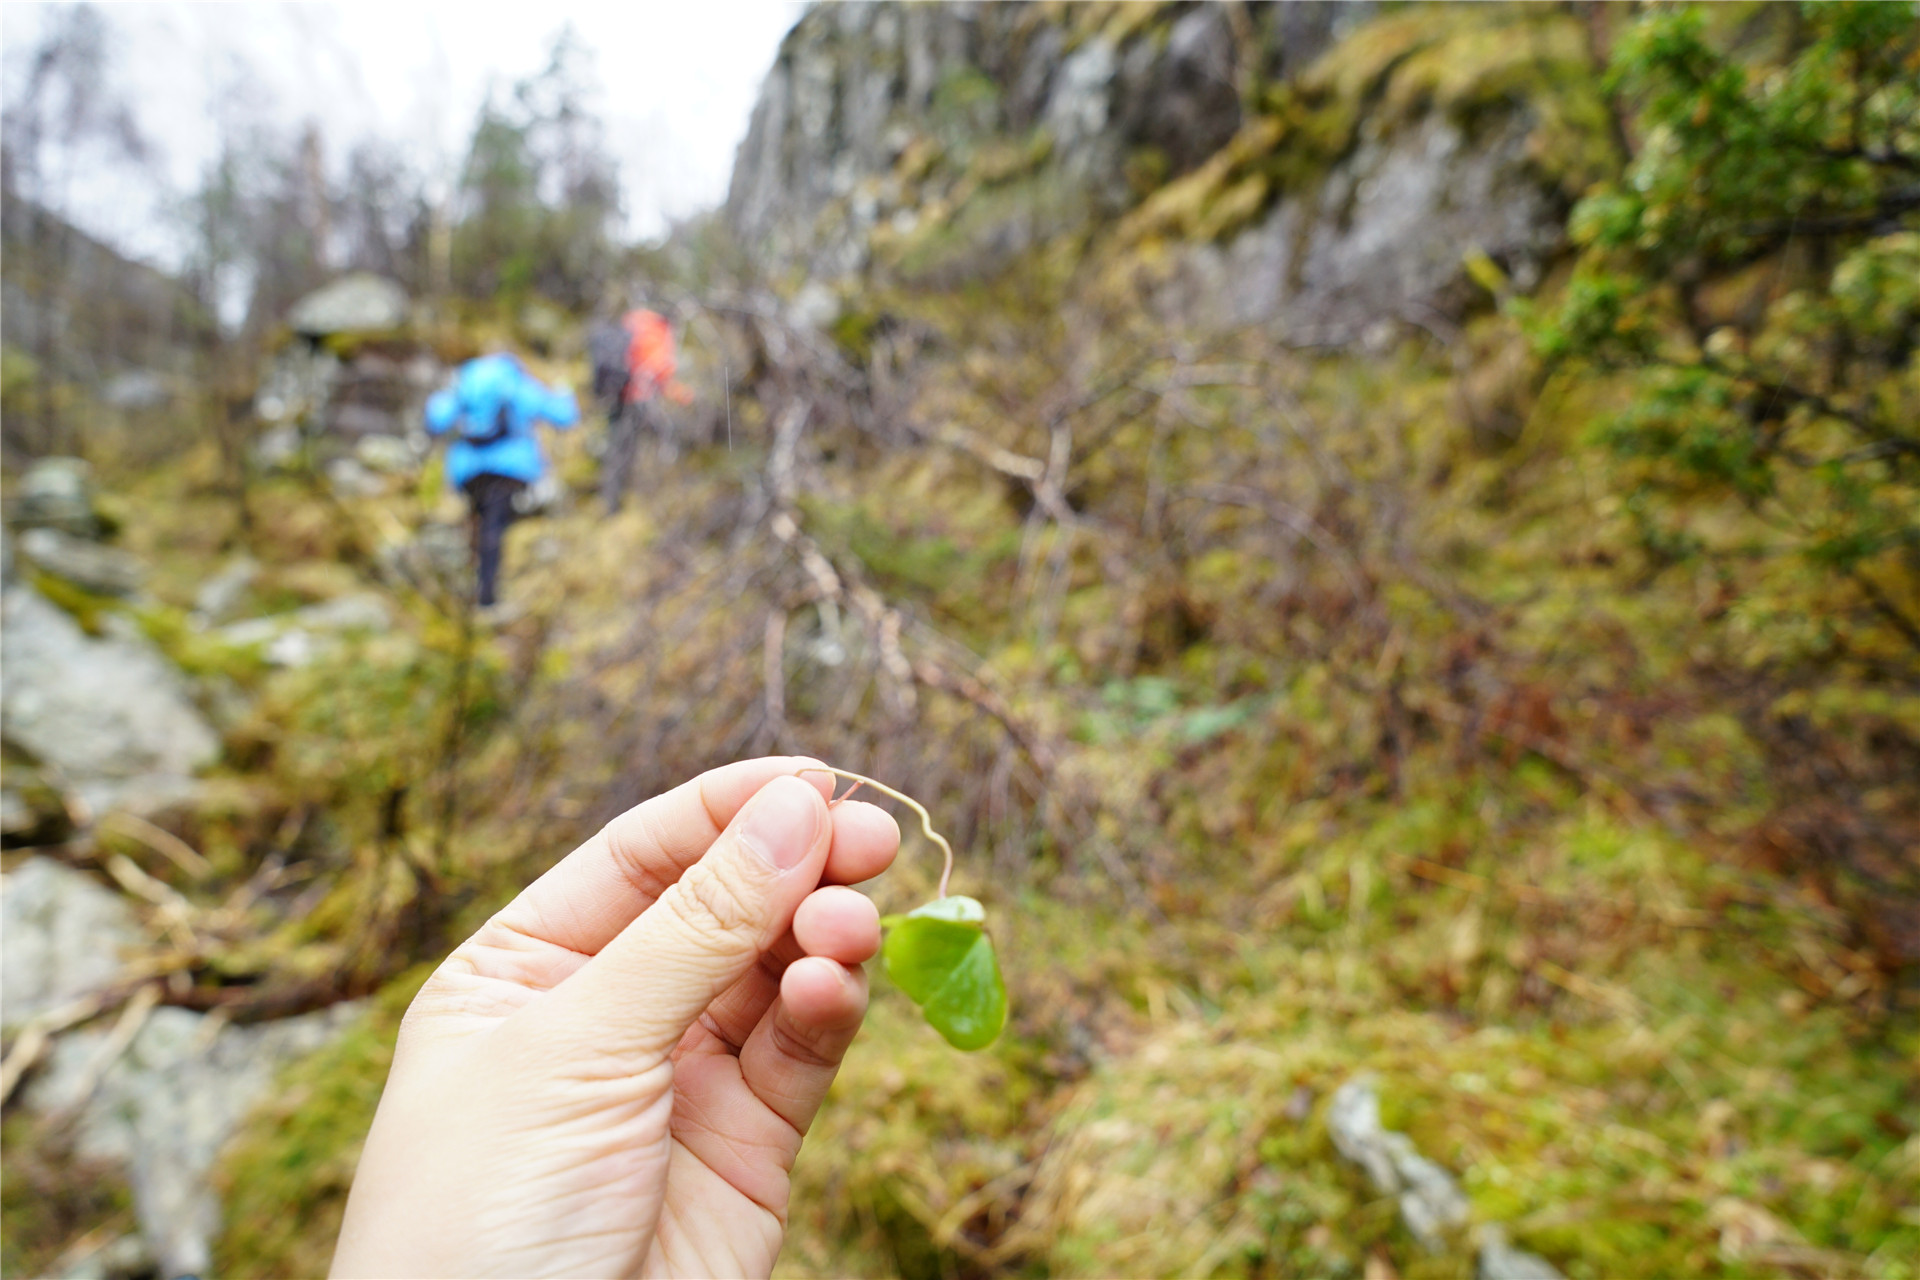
(634, 367)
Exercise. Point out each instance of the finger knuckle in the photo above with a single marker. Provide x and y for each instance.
(630, 838)
(717, 911)
(810, 1047)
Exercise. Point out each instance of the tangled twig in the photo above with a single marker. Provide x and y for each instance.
(926, 819)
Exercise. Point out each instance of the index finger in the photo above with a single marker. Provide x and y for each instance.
(586, 899)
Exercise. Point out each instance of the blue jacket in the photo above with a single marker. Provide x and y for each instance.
(472, 405)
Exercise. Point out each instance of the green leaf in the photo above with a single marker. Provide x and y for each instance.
(941, 957)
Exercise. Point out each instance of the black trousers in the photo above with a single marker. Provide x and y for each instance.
(626, 424)
(623, 446)
(490, 499)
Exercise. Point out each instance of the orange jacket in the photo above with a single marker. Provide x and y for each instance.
(651, 358)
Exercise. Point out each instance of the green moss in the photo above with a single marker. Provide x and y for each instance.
(953, 562)
(200, 653)
(1470, 62)
(1233, 209)
(1221, 195)
(966, 102)
(1146, 169)
(853, 331)
(20, 381)
(1004, 160)
(89, 609)
(989, 232)
(51, 1199)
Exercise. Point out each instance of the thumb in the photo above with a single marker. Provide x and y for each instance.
(646, 987)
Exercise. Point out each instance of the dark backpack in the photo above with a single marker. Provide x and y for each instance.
(607, 351)
(474, 431)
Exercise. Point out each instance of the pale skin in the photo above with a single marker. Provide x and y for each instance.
(614, 1075)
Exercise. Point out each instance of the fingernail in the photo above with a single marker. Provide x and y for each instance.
(782, 822)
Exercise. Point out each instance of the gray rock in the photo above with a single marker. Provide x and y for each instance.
(1383, 238)
(1501, 1261)
(854, 87)
(295, 648)
(357, 303)
(32, 809)
(163, 1110)
(355, 421)
(279, 447)
(815, 306)
(17, 817)
(388, 454)
(1431, 1203)
(166, 1107)
(61, 936)
(1182, 98)
(110, 713)
(436, 560)
(255, 631)
(547, 496)
(423, 373)
(348, 478)
(1081, 102)
(297, 638)
(815, 173)
(280, 642)
(361, 611)
(1302, 30)
(221, 594)
(57, 493)
(114, 1260)
(103, 570)
(296, 385)
(137, 389)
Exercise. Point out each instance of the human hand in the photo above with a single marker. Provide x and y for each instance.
(613, 1076)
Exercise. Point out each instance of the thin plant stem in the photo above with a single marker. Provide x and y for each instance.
(926, 820)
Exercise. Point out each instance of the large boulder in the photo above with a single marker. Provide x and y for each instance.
(387, 455)
(165, 1106)
(61, 936)
(57, 493)
(103, 570)
(109, 713)
(219, 597)
(1181, 96)
(297, 638)
(1383, 237)
(136, 390)
(357, 303)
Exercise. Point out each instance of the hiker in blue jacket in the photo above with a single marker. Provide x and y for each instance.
(492, 407)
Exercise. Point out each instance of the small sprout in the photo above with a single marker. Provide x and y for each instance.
(939, 953)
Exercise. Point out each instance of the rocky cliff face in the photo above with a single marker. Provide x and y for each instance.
(862, 95)
(1316, 163)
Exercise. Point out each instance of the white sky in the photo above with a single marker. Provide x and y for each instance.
(679, 81)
